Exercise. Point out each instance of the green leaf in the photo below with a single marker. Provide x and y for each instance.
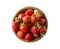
(39, 26)
(41, 34)
(16, 19)
(36, 12)
(21, 23)
(35, 23)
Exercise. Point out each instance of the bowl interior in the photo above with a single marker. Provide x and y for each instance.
(23, 11)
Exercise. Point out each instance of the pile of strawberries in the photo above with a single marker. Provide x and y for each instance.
(29, 25)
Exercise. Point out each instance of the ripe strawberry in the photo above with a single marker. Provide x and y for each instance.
(24, 27)
(40, 12)
(20, 34)
(29, 12)
(33, 18)
(20, 16)
(30, 25)
(26, 19)
(43, 29)
(36, 35)
(42, 21)
(15, 26)
(34, 29)
(28, 37)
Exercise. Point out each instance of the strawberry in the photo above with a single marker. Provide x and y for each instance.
(20, 16)
(34, 29)
(29, 12)
(20, 34)
(40, 12)
(26, 19)
(28, 37)
(36, 35)
(24, 27)
(42, 21)
(15, 26)
(30, 25)
(33, 18)
(43, 29)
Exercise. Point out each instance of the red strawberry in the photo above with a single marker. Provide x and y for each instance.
(20, 16)
(36, 35)
(15, 26)
(33, 18)
(43, 29)
(26, 19)
(34, 29)
(23, 27)
(40, 12)
(28, 37)
(29, 12)
(30, 25)
(20, 34)
(42, 21)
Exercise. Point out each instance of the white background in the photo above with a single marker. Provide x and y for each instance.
(51, 40)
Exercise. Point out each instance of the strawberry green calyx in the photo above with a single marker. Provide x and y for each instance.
(41, 34)
(38, 25)
(21, 23)
(16, 19)
(36, 13)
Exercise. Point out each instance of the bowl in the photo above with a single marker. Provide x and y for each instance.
(34, 17)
